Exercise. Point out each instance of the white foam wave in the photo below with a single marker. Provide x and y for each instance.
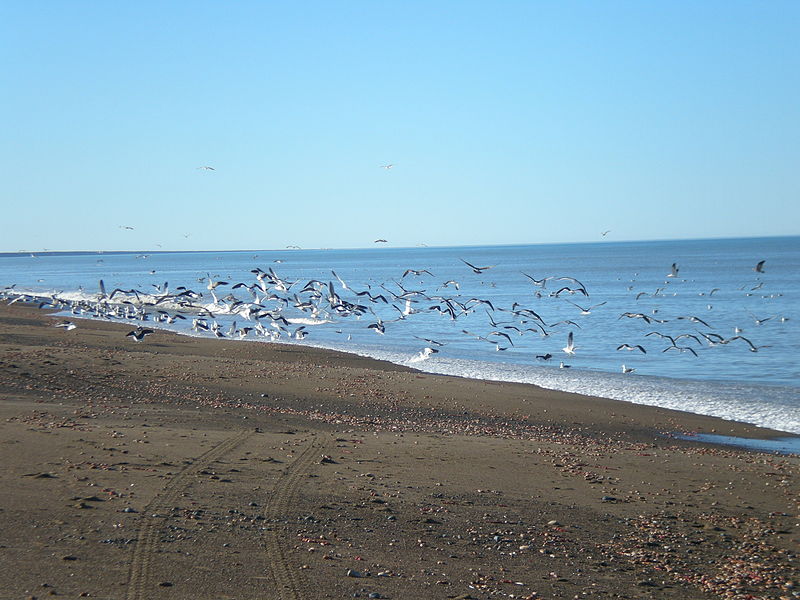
(307, 321)
(734, 402)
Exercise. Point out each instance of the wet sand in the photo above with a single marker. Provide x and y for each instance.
(196, 468)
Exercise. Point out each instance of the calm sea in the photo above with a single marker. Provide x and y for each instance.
(715, 295)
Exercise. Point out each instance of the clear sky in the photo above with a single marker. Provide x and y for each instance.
(506, 122)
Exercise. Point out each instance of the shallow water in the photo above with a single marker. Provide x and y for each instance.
(785, 445)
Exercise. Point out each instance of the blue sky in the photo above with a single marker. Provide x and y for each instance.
(507, 122)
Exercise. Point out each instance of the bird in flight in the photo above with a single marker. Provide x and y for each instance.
(476, 270)
(570, 347)
(139, 333)
(387, 167)
(126, 227)
(586, 310)
(206, 168)
(380, 241)
(629, 347)
(673, 270)
(605, 233)
(759, 268)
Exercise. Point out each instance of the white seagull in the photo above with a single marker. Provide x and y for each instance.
(139, 334)
(673, 271)
(570, 347)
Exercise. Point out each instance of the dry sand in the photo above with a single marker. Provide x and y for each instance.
(193, 468)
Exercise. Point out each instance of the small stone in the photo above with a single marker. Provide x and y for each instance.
(608, 499)
(553, 523)
(128, 510)
(69, 557)
(353, 573)
(165, 584)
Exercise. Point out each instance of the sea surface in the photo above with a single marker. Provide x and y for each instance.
(494, 323)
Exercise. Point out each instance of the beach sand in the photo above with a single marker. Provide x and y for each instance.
(194, 468)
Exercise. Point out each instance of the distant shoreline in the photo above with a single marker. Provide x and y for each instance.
(384, 247)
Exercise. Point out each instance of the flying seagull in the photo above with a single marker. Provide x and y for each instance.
(139, 334)
(629, 347)
(759, 268)
(388, 166)
(206, 168)
(570, 347)
(673, 270)
(476, 270)
(380, 241)
(585, 311)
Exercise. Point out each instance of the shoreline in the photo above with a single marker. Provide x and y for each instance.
(753, 430)
(183, 468)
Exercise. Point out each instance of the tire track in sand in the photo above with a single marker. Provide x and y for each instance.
(154, 515)
(289, 584)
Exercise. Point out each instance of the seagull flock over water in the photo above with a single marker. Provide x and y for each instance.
(273, 308)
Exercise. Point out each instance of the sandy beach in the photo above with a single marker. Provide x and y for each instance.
(181, 467)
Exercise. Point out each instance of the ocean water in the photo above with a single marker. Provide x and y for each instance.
(491, 332)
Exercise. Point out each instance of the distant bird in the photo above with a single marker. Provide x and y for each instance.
(126, 227)
(570, 347)
(680, 349)
(753, 347)
(206, 168)
(380, 241)
(547, 356)
(759, 268)
(627, 369)
(212, 285)
(476, 270)
(629, 348)
(378, 327)
(387, 167)
(139, 333)
(416, 272)
(673, 271)
(434, 342)
(585, 311)
(68, 325)
(695, 320)
(563, 366)
(606, 232)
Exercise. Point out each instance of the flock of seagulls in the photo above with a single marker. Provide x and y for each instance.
(274, 307)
